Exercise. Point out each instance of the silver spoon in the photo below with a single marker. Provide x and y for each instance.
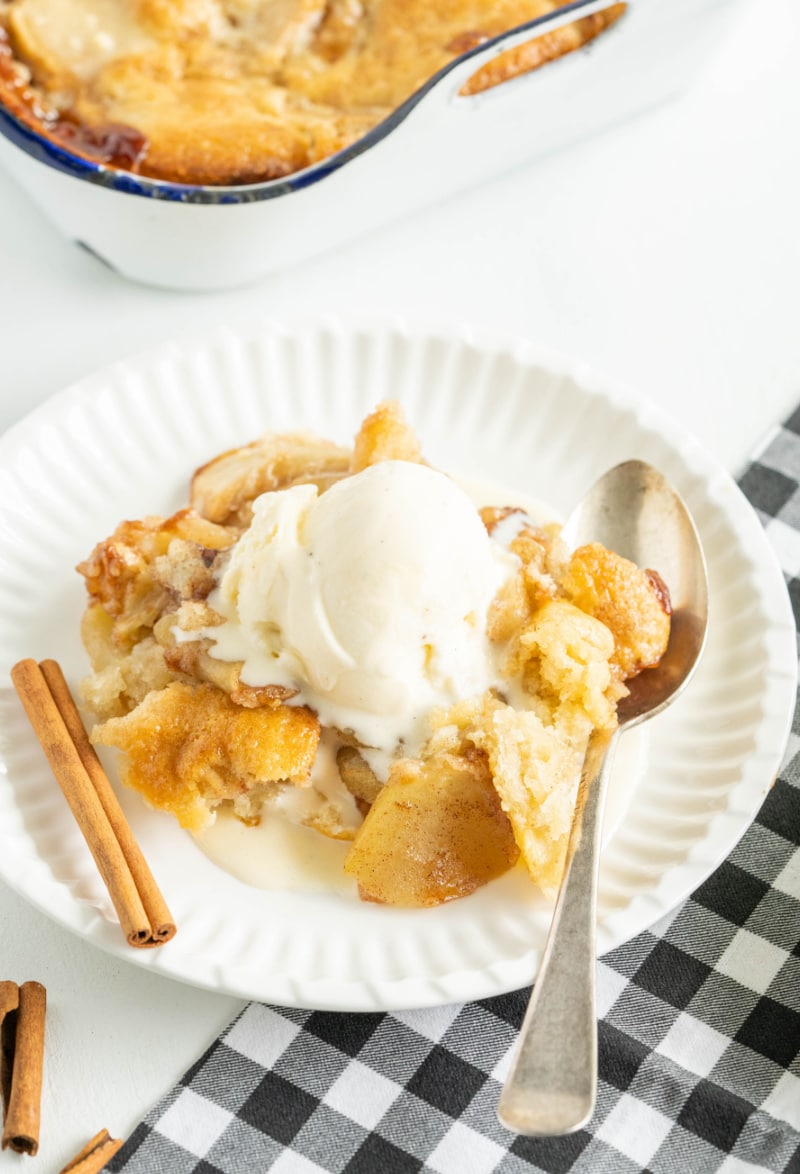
(552, 1086)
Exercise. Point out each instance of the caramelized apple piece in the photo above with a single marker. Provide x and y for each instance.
(224, 489)
(357, 775)
(435, 832)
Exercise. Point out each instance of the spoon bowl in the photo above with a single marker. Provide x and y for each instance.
(552, 1086)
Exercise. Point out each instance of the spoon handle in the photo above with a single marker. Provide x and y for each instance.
(552, 1085)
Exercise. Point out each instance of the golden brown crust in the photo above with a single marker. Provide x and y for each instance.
(632, 603)
(189, 748)
(237, 91)
(385, 436)
(534, 54)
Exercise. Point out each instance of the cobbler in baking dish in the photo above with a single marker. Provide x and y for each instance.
(338, 637)
(237, 91)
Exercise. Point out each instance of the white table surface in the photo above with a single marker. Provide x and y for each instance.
(665, 253)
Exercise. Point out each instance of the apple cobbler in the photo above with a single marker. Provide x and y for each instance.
(338, 636)
(239, 91)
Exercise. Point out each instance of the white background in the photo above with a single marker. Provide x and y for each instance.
(665, 253)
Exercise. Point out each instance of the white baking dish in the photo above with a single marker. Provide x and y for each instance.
(437, 143)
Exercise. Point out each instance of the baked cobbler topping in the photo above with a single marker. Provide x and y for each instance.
(237, 91)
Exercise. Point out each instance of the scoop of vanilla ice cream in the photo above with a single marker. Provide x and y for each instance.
(371, 599)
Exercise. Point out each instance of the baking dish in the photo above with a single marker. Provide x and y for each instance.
(435, 144)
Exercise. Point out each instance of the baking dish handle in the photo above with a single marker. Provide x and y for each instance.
(444, 88)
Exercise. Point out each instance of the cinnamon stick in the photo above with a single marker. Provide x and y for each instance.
(94, 1156)
(9, 1001)
(142, 911)
(22, 1114)
(162, 925)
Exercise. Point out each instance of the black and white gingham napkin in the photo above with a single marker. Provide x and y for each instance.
(699, 1030)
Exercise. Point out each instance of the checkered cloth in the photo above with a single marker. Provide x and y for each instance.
(699, 1030)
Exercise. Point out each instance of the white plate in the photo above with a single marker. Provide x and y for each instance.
(122, 444)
